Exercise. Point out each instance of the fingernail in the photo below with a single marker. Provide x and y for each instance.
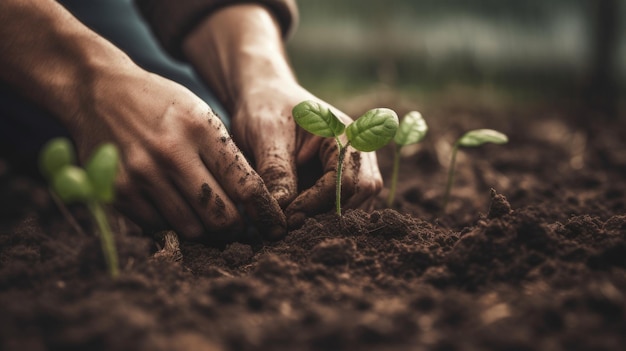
(281, 194)
(296, 220)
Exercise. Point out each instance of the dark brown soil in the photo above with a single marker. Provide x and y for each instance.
(530, 255)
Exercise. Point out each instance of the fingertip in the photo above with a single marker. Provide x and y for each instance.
(282, 195)
(266, 213)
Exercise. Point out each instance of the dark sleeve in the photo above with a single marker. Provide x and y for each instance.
(172, 20)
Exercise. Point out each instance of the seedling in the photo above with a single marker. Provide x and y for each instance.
(412, 130)
(472, 138)
(92, 185)
(373, 130)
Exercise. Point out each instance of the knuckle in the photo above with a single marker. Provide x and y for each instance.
(166, 151)
(138, 165)
(196, 126)
(252, 189)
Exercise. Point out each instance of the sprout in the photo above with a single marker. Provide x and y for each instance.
(472, 138)
(412, 130)
(92, 186)
(370, 132)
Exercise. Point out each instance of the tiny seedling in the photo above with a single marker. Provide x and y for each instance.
(472, 138)
(373, 130)
(92, 185)
(412, 130)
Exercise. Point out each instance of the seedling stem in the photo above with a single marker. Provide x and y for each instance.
(106, 237)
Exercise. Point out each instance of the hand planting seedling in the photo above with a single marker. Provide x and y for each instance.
(412, 130)
(373, 130)
(472, 138)
(93, 185)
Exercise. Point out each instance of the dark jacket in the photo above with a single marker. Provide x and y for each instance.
(172, 20)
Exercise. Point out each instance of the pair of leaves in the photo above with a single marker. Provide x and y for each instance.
(373, 130)
(75, 184)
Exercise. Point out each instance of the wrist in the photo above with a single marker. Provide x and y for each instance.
(55, 63)
(237, 51)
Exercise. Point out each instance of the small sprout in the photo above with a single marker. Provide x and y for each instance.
(472, 138)
(102, 169)
(56, 154)
(412, 130)
(92, 186)
(72, 184)
(370, 132)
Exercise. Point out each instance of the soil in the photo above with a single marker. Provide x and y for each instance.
(529, 255)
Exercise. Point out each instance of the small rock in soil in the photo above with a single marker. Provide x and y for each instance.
(499, 205)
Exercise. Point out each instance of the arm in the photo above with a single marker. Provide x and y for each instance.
(180, 169)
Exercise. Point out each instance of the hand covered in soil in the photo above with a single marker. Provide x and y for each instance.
(239, 52)
(286, 156)
(179, 167)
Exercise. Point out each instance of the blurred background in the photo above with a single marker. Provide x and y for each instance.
(525, 50)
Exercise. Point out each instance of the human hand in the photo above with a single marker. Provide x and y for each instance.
(179, 167)
(284, 153)
(239, 52)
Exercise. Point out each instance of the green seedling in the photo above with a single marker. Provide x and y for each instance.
(412, 130)
(472, 138)
(373, 130)
(92, 185)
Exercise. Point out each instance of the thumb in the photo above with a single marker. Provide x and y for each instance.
(276, 166)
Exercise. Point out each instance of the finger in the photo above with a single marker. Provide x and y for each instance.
(317, 199)
(362, 177)
(163, 195)
(141, 212)
(242, 184)
(129, 201)
(213, 207)
(321, 196)
(275, 164)
(175, 210)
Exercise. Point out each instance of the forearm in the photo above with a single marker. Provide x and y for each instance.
(239, 49)
(49, 56)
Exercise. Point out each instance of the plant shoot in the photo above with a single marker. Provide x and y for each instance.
(472, 138)
(92, 185)
(370, 132)
(412, 130)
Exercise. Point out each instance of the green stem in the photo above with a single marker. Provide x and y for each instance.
(394, 176)
(446, 196)
(342, 155)
(106, 237)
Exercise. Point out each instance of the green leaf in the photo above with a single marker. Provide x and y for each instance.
(373, 130)
(102, 170)
(478, 137)
(412, 129)
(56, 154)
(72, 184)
(317, 119)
